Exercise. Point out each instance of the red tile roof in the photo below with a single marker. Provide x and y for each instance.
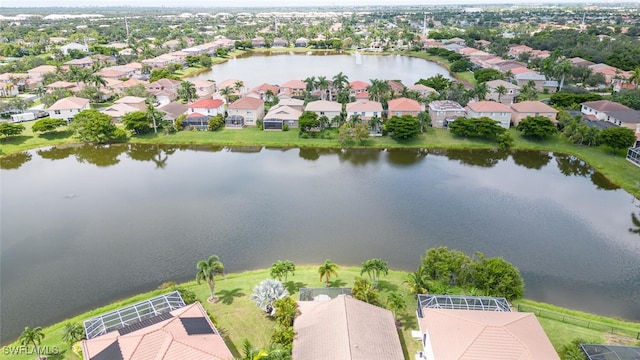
(404, 104)
(358, 85)
(247, 103)
(206, 104)
(533, 107)
(488, 106)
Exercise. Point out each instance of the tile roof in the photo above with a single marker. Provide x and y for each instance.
(605, 105)
(247, 103)
(168, 339)
(345, 329)
(206, 104)
(264, 87)
(404, 104)
(488, 106)
(485, 335)
(130, 100)
(364, 106)
(294, 84)
(445, 105)
(533, 106)
(72, 102)
(495, 83)
(323, 105)
(420, 87)
(229, 83)
(282, 112)
(173, 109)
(358, 85)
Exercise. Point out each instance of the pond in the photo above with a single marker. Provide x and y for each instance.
(84, 225)
(278, 68)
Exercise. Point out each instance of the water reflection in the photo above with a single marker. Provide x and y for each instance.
(486, 159)
(406, 157)
(14, 161)
(602, 182)
(570, 165)
(359, 157)
(158, 154)
(56, 152)
(313, 154)
(531, 159)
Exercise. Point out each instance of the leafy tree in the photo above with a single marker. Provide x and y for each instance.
(307, 121)
(630, 98)
(569, 100)
(460, 65)
(47, 125)
(93, 126)
(138, 90)
(266, 293)
(187, 91)
(72, 332)
(505, 141)
(404, 127)
(417, 281)
(283, 335)
(617, 138)
(395, 303)
(137, 122)
(481, 90)
(32, 336)
(216, 123)
(8, 129)
(441, 263)
(364, 290)
(424, 119)
(207, 271)
(484, 75)
(157, 74)
(373, 268)
(281, 269)
(497, 277)
(327, 270)
(572, 350)
(537, 127)
(350, 133)
(483, 127)
(286, 310)
(438, 82)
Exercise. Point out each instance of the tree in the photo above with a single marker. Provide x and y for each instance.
(402, 127)
(438, 82)
(634, 76)
(630, 98)
(481, 91)
(251, 353)
(72, 332)
(500, 90)
(32, 336)
(340, 81)
(207, 271)
(484, 75)
(8, 129)
(154, 116)
(363, 290)
(281, 269)
(138, 90)
(266, 293)
(561, 70)
(311, 84)
(483, 127)
(323, 86)
(226, 92)
(138, 122)
(47, 125)
(537, 127)
(373, 268)
(308, 120)
(417, 281)
(378, 89)
(395, 303)
(187, 91)
(442, 263)
(286, 310)
(238, 85)
(95, 127)
(327, 270)
(497, 277)
(617, 138)
(424, 119)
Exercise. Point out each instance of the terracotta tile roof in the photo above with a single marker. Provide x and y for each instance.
(404, 104)
(364, 106)
(282, 112)
(130, 100)
(362, 95)
(345, 329)
(61, 84)
(165, 83)
(294, 84)
(229, 83)
(195, 115)
(396, 86)
(488, 106)
(358, 85)
(130, 83)
(323, 105)
(206, 104)
(605, 105)
(485, 335)
(246, 103)
(521, 70)
(169, 340)
(264, 87)
(495, 83)
(533, 107)
(69, 103)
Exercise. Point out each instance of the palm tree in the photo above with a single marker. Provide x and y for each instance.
(32, 336)
(226, 92)
(340, 80)
(323, 86)
(251, 353)
(238, 85)
(266, 293)
(98, 80)
(363, 290)
(282, 269)
(355, 119)
(311, 83)
(207, 270)
(395, 303)
(375, 123)
(500, 90)
(562, 69)
(187, 91)
(481, 91)
(378, 89)
(634, 76)
(417, 281)
(373, 268)
(72, 332)
(154, 116)
(424, 119)
(327, 270)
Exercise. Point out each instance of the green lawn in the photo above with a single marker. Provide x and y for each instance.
(238, 317)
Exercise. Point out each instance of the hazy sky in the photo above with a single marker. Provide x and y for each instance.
(212, 4)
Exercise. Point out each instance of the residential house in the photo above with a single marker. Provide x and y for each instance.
(158, 62)
(73, 87)
(85, 62)
(293, 88)
(279, 43)
(423, 90)
(483, 328)
(611, 74)
(120, 87)
(293, 103)
(357, 87)
(330, 109)
(302, 42)
(279, 116)
(246, 111)
(362, 97)
(116, 72)
(173, 110)
(525, 109)
(40, 71)
(455, 40)
(164, 90)
(524, 78)
(512, 91)
(171, 330)
(578, 61)
(404, 106)
(516, 50)
(483, 44)
(67, 108)
(612, 112)
(74, 46)
(257, 42)
(396, 87)
(364, 109)
(506, 65)
(491, 109)
(204, 88)
(264, 89)
(443, 112)
(207, 107)
(345, 328)
(118, 111)
(133, 101)
(8, 89)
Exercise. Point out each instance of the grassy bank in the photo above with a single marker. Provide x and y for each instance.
(238, 317)
(613, 166)
(466, 77)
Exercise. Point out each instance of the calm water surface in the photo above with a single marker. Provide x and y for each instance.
(82, 226)
(278, 68)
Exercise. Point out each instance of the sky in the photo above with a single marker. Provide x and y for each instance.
(212, 4)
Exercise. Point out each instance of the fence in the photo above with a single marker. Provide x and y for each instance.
(589, 324)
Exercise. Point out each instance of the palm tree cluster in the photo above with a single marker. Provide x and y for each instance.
(281, 269)
(327, 270)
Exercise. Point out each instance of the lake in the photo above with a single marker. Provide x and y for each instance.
(84, 225)
(277, 68)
